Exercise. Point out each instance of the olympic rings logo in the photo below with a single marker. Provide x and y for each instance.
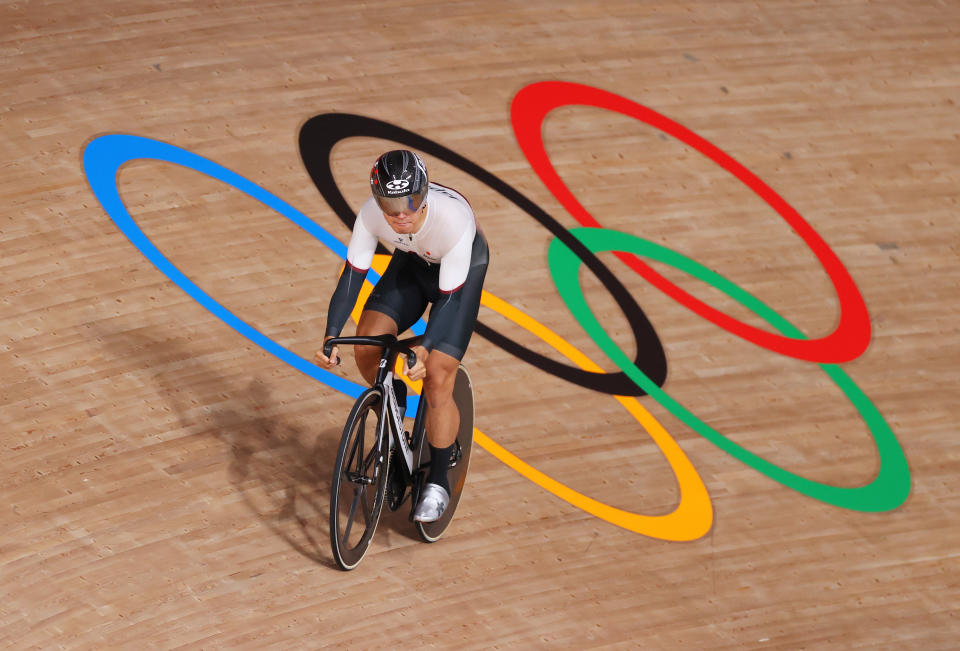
(644, 375)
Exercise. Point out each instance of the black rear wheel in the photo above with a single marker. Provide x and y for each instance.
(460, 462)
(359, 481)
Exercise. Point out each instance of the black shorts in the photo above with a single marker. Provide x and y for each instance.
(410, 283)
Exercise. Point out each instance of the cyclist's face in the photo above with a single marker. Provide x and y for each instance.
(407, 222)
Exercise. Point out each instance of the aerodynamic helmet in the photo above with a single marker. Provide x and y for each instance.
(399, 182)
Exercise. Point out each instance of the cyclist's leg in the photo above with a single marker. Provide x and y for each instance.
(395, 304)
(442, 424)
(372, 324)
(454, 342)
(443, 417)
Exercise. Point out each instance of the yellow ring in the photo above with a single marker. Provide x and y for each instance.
(693, 516)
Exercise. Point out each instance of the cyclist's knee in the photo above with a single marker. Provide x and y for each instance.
(372, 324)
(367, 356)
(365, 329)
(437, 394)
(441, 374)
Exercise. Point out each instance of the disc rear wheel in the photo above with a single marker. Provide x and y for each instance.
(460, 462)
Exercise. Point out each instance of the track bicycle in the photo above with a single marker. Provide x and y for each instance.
(378, 461)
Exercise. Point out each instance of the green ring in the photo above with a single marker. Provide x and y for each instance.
(886, 492)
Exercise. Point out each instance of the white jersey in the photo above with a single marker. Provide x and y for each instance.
(445, 238)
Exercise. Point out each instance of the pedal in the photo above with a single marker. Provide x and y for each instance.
(456, 456)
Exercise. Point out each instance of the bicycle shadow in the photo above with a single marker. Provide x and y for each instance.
(398, 522)
(282, 476)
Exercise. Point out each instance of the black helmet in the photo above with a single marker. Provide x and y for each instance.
(399, 182)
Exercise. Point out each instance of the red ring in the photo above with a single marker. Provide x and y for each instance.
(847, 342)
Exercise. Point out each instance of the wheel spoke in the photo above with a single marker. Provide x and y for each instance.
(353, 510)
(354, 457)
(361, 429)
(366, 507)
(361, 460)
(370, 459)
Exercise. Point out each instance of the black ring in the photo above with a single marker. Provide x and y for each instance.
(319, 135)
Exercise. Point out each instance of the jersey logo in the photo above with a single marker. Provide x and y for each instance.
(398, 184)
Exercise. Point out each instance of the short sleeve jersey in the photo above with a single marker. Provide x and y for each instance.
(445, 238)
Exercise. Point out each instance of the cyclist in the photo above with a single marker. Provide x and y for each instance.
(440, 257)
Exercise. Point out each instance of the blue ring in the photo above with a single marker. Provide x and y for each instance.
(102, 159)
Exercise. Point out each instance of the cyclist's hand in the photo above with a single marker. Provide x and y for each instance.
(323, 361)
(419, 370)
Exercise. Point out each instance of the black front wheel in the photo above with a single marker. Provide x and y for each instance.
(359, 481)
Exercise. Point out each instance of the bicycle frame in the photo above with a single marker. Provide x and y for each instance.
(396, 423)
(392, 347)
(381, 467)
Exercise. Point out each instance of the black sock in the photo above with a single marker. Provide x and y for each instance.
(439, 464)
(400, 390)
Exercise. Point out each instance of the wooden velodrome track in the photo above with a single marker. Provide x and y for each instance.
(164, 480)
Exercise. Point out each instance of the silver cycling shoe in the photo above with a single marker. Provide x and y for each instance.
(432, 504)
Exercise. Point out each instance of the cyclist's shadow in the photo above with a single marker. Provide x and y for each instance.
(397, 523)
(281, 471)
(284, 481)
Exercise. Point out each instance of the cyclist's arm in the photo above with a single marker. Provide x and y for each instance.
(360, 252)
